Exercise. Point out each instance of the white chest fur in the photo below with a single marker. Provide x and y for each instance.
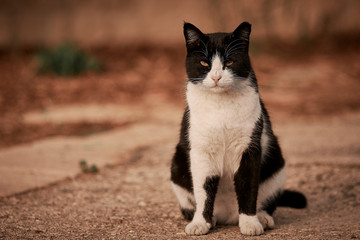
(221, 125)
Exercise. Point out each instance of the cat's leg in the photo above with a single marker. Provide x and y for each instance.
(269, 194)
(267, 209)
(186, 200)
(205, 184)
(181, 181)
(246, 181)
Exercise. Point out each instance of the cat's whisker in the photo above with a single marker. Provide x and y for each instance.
(206, 49)
(201, 52)
(234, 85)
(232, 51)
(236, 45)
(233, 42)
(195, 79)
(234, 48)
(241, 78)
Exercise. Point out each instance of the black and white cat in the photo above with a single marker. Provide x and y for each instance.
(228, 167)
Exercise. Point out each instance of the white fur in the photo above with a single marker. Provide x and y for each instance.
(271, 186)
(265, 219)
(197, 227)
(250, 225)
(226, 206)
(221, 125)
(264, 141)
(184, 197)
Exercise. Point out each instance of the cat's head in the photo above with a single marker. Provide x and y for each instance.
(218, 62)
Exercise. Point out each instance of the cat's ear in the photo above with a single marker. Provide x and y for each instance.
(242, 31)
(192, 35)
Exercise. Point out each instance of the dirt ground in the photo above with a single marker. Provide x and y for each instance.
(133, 199)
(314, 103)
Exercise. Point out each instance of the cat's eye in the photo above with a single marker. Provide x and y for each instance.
(229, 63)
(205, 64)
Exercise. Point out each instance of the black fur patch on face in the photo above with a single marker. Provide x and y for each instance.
(247, 177)
(210, 186)
(229, 46)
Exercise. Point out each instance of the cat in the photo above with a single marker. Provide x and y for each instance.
(228, 167)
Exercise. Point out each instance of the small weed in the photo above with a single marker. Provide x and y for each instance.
(66, 60)
(85, 168)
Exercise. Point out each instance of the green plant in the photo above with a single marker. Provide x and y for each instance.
(66, 60)
(85, 168)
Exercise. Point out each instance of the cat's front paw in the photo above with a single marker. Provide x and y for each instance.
(250, 225)
(197, 228)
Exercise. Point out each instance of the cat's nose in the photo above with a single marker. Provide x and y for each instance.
(216, 79)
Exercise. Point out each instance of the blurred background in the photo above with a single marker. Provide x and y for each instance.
(62, 53)
(107, 23)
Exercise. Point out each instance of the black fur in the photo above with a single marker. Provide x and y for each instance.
(273, 160)
(247, 177)
(188, 214)
(210, 186)
(292, 199)
(180, 165)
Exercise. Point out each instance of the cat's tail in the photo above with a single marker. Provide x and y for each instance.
(292, 199)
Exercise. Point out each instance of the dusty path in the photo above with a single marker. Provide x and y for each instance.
(133, 199)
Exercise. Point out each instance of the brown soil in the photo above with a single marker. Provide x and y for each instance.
(133, 200)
